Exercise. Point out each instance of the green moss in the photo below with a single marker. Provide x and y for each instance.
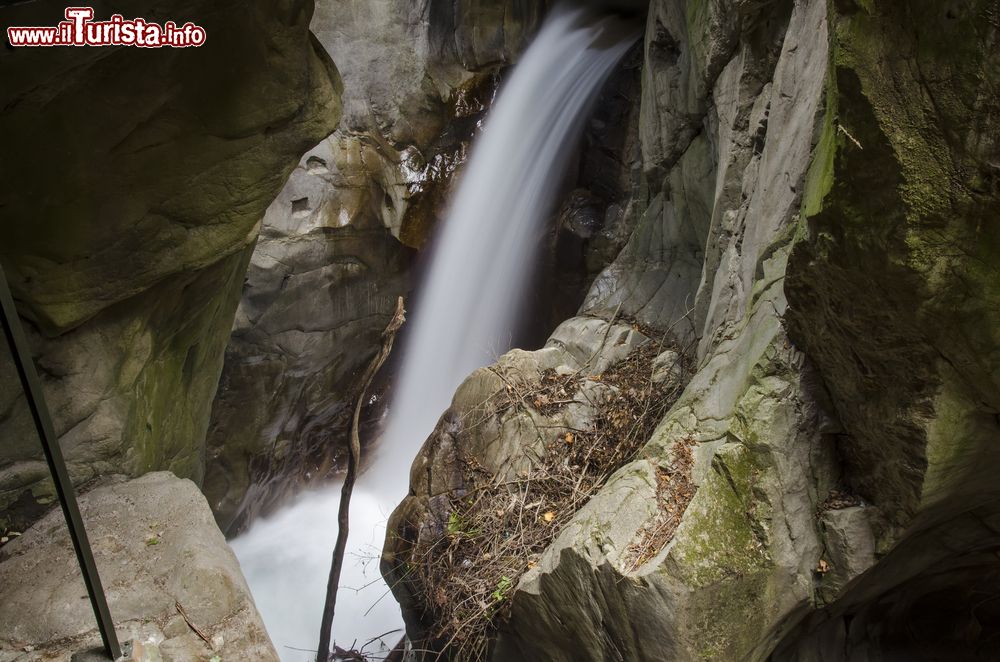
(697, 13)
(727, 622)
(173, 390)
(898, 277)
(819, 178)
(712, 29)
(901, 58)
(717, 541)
(44, 492)
(721, 551)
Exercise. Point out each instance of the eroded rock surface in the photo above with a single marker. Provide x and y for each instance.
(134, 183)
(156, 546)
(818, 193)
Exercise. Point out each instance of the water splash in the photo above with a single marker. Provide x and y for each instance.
(464, 320)
(286, 559)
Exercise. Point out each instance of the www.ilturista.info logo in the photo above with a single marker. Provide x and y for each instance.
(80, 30)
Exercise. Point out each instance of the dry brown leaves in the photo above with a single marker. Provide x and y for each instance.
(497, 532)
(674, 491)
(838, 500)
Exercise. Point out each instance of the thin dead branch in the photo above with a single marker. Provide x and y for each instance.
(194, 628)
(343, 516)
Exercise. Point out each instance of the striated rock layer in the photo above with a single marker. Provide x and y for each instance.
(820, 196)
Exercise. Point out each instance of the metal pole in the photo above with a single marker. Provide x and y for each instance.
(53, 455)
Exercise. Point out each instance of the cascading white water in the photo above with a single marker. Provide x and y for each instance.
(469, 303)
(464, 320)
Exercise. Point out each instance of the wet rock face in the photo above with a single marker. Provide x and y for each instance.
(134, 185)
(156, 546)
(316, 297)
(815, 227)
(599, 212)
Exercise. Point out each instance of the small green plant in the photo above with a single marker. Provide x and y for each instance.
(503, 587)
(458, 526)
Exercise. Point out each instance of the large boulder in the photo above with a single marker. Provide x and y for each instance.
(134, 183)
(166, 570)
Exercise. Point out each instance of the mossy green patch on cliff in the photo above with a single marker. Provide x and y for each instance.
(893, 86)
(175, 387)
(716, 540)
(722, 551)
(727, 621)
(896, 268)
(819, 178)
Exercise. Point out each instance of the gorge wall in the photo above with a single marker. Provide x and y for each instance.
(134, 186)
(781, 225)
(818, 237)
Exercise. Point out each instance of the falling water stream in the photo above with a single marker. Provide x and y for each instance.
(464, 319)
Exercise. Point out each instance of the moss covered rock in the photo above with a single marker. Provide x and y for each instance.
(894, 284)
(846, 502)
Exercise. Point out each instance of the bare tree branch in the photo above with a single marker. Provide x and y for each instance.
(343, 516)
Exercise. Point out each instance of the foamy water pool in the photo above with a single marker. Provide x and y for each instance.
(286, 561)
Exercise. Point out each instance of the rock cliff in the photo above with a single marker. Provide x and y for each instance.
(135, 182)
(817, 239)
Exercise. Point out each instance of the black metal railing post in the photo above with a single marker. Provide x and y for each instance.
(57, 465)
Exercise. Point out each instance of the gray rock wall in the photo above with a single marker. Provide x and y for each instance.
(134, 184)
(816, 231)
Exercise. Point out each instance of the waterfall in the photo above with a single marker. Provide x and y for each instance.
(463, 320)
(468, 308)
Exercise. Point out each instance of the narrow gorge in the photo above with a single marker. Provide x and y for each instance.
(702, 351)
